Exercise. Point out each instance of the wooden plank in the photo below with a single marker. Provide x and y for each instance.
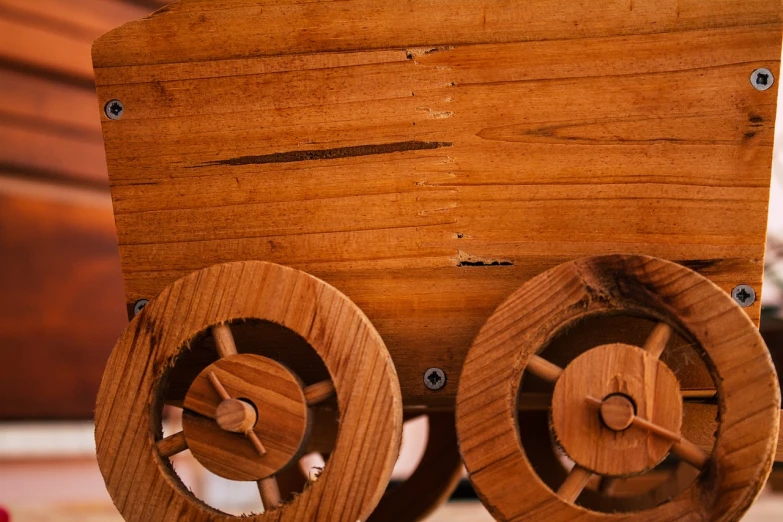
(429, 183)
(63, 309)
(240, 29)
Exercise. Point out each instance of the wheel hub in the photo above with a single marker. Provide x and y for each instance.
(246, 417)
(597, 401)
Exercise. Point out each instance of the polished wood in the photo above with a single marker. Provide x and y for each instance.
(690, 453)
(656, 343)
(172, 445)
(617, 412)
(235, 416)
(737, 359)
(392, 164)
(368, 393)
(544, 369)
(593, 377)
(224, 340)
(280, 428)
(574, 483)
(270, 493)
(319, 392)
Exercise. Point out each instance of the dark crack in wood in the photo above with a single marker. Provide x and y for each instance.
(328, 154)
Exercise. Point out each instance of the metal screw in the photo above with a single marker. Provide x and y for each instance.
(114, 109)
(141, 303)
(762, 79)
(434, 378)
(744, 295)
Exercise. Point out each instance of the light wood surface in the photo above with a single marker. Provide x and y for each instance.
(426, 158)
(638, 285)
(368, 395)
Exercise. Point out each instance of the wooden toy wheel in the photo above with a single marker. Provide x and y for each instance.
(616, 409)
(247, 417)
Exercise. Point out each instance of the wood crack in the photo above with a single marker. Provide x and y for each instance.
(327, 154)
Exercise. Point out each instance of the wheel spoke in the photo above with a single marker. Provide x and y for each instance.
(606, 485)
(543, 369)
(681, 447)
(172, 445)
(250, 434)
(658, 339)
(224, 340)
(319, 392)
(218, 386)
(689, 452)
(706, 394)
(230, 423)
(574, 483)
(270, 493)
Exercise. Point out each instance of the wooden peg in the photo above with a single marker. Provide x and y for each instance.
(172, 445)
(543, 369)
(574, 483)
(224, 340)
(235, 416)
(270, 493)
(218, 386)
(658, 339)
(319, 392)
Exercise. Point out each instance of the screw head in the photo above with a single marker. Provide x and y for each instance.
(141, 303)
(434, 378)
(114, 109)
(762, 79)
(743, 295)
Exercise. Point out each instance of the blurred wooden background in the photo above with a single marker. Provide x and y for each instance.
(61, 300)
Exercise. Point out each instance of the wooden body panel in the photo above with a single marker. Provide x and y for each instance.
(427, 158)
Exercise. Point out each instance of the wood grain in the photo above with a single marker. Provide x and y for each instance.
(427, 158)
(604, 371)
(738, 360)
(368, 395)
(282, 422)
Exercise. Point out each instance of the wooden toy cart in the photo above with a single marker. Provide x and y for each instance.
(539, 223)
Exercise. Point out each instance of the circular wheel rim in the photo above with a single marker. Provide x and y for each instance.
(491, 377)
(143, 484)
